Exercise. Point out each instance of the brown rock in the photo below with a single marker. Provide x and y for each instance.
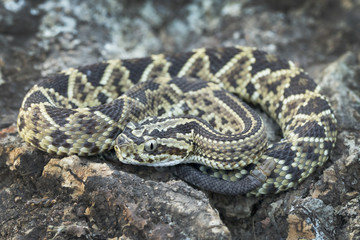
(42, 196)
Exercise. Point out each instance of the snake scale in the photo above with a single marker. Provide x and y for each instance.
(169, 109)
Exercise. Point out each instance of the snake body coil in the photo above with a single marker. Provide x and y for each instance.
(82, 111)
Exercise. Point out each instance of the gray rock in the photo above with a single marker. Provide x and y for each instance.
(46, 197)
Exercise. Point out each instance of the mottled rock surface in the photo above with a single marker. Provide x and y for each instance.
(46, 197)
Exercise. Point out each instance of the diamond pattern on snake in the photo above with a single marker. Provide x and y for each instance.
(185, 110)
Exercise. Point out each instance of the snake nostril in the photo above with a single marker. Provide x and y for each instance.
(116, 147)
(121, 140)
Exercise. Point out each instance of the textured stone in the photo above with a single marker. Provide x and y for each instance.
(43, 196)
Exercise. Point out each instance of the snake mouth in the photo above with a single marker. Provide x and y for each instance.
(119, 153)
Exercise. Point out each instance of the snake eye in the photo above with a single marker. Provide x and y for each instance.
(150, 145)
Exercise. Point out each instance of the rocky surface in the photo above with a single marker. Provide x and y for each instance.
(46, 197)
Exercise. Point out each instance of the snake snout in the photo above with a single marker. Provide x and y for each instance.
(122, 147)
(122, 140)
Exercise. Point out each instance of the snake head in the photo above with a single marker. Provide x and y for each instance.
(151, 142)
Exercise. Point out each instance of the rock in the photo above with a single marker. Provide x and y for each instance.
(310, 218)
(85, 198)
(43, 196)
(350, 213)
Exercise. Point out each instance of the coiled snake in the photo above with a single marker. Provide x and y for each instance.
(164, 110)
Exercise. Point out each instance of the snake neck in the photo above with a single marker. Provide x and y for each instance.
(218, 150)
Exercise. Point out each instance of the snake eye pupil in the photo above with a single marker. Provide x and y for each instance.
(150, 146)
